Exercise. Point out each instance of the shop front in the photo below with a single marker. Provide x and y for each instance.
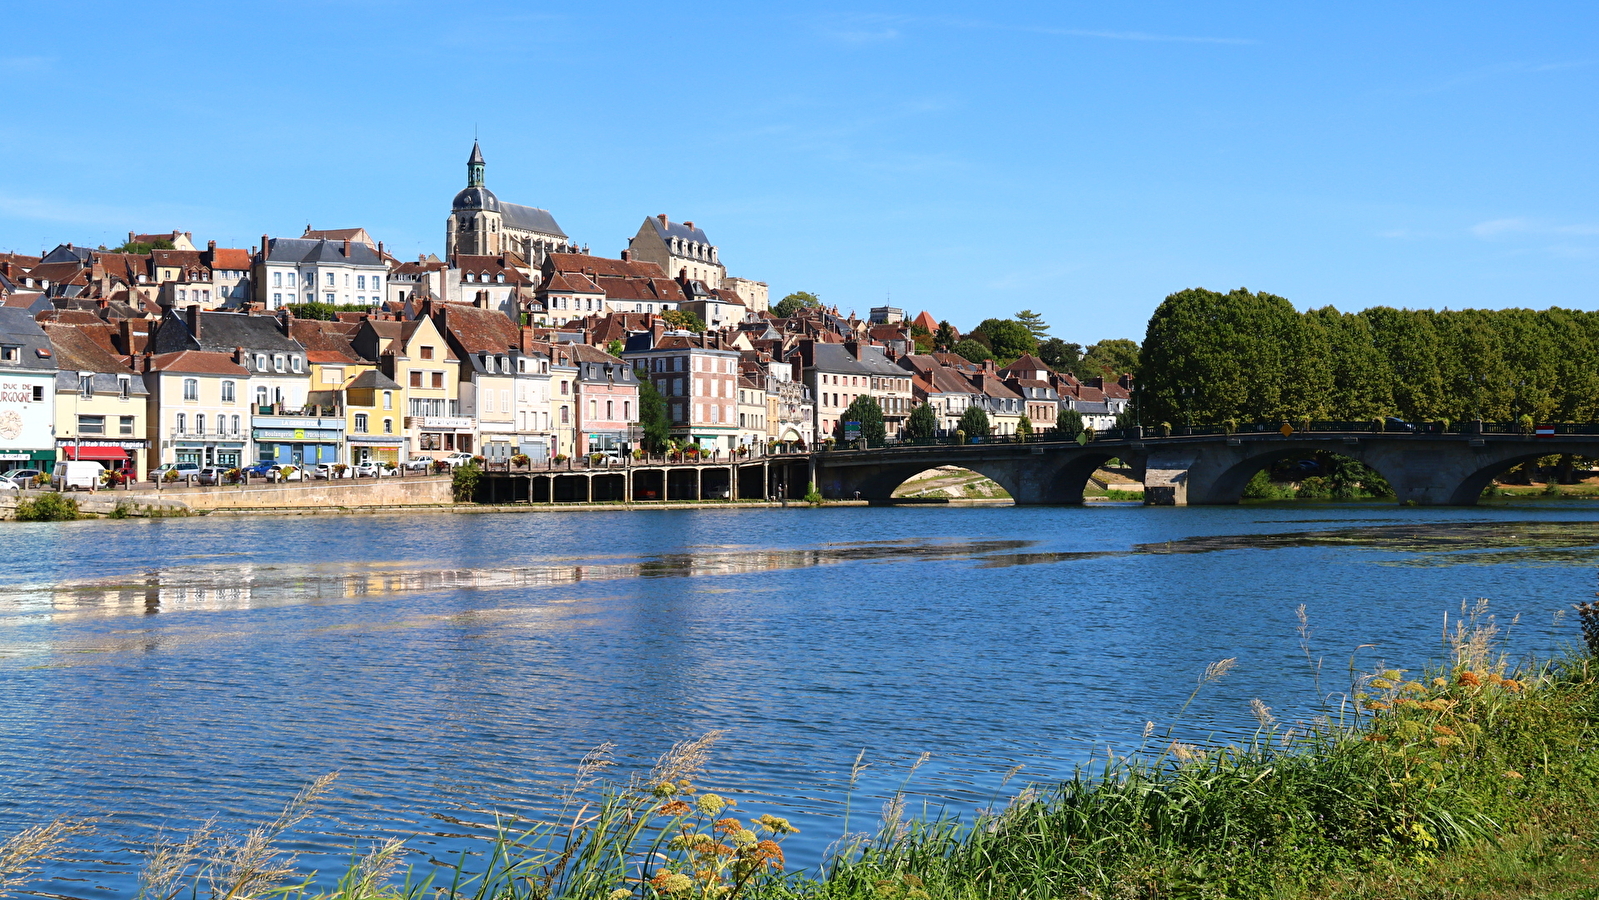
(127, 456)
(365, 448)
(498, 447)
(27, 459)
(297, 440)
(209, 453)
(438, 435)
(536, 447)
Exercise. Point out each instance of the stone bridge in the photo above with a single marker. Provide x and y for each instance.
(1424, 469)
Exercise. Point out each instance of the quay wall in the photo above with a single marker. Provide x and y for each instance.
(397, 492)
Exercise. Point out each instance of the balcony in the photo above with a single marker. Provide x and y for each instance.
(191, 434)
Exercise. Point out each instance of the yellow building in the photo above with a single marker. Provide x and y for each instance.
(417, 358)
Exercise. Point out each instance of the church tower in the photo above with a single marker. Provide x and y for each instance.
(475, 223)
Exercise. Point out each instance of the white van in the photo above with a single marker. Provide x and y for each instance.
(76, 475)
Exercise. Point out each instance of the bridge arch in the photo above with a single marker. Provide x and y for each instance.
(1042, 479)
(1227, 486)
(1470, 489)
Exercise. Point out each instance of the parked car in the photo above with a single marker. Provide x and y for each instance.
(286, 473)
(259, 470)
(7, 484)
(21, 477)
(325, 471)
(458, 458)
(1394, 423)
(418, 464)
(372, 469)
(184, 470)
(213, 475)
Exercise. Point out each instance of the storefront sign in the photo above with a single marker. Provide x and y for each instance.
(85, 442)
(447, 422)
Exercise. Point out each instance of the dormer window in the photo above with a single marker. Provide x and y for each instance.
(260, 362)
(11, 353)
(500, 278)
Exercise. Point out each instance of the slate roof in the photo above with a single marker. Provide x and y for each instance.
(222, 332)
(373, 379)
(299, 250)
(68, 253)
(678, 230)
(529, 218)
(18, 327)
(836, 358)
(76, 351)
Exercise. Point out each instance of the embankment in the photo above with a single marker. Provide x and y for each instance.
(386, 492)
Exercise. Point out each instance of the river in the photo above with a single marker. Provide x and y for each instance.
(449, 667)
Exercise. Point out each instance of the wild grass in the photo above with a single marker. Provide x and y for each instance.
(1477, 778)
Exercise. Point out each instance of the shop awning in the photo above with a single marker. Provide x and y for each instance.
(113, 453)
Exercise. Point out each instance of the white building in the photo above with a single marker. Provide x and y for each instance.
(343, 273)
(27, 393)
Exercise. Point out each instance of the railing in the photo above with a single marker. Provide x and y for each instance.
(613, 463)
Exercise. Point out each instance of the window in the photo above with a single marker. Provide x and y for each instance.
(227, 392)
(375, 287)
(388, 426)
(260, 396)
(610, 409)
(294, 363)
(505, 401)
(427, 352)
(10, 353)
(332, 375)
(86, 385)
(329, 298)
(277, 300)
(488, 401)
(277, 362)
(289, 280)
(388, 399)
(310, 297)
(199, 423)
(331, 282)
(594, 409)
(125, 425)
(438, 379)
(566, 388)
(277, 279)
(627, 410)
(191, 389)
(235, 424)
(124, 387)
(346, 279)
(566, 416)
(360, 282)
(183, 424)
(260, 362)
(360, 423)
(91, 424)
(416, 379)
(488, 364)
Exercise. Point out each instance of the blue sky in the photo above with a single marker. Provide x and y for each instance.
(1083, 160)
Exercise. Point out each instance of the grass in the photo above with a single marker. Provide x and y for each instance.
(1476, 779)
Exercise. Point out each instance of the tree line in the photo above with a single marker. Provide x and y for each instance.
(1249, 356)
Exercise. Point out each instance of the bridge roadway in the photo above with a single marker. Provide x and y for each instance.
(1425, 469)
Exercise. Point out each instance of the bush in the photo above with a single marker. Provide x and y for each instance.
(812, 495)
(48, 508)
(464, 482)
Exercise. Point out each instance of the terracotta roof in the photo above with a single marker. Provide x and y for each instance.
(1027, 363)
(326, 338)
(18, 259)
(600, 265)
(652, 290)
(925, 320)
(176, 257)
(230, 258)
(331, 357)
(476, 330)
(570, 282)
(198, 362)
(75, 349)
(60, 273)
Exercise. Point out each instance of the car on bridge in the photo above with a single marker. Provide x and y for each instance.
(1394, 423)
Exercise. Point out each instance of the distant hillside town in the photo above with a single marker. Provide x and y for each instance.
(324, 348)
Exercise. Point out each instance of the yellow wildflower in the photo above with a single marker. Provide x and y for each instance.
(1512, 774)
(1377, 705)
(1440, 682)
(743, 838)
(1381, 684)
(621, 894)
(665, 789)
(672, 883)
(710, 804)
(1443, 729)
(1469, 678)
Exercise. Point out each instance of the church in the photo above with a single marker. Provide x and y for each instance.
(480, 224)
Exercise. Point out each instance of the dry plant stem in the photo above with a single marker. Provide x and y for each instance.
(21, 854)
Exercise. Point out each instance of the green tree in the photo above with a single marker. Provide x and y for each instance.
(683, 320)
(1109, 359)
(922, 424)
(652, 414)
(1034, 323)
(922, 338)
(141, 249)
(795, 302)
(464, 480)
(972, 350)
(865, 410)
(1060, 355)
(944, 339)
(1024, 428)
(1008, 339)
(1069, 421)
(615, 347)
(974, 422)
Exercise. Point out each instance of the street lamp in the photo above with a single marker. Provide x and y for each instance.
(1187, 394)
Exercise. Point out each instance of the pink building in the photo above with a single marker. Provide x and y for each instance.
(607, 400)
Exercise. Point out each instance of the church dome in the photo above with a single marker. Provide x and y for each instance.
(477, 198)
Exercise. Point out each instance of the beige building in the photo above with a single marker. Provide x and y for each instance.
(679, 249)
(198, 410)
(755, 294)
(480, 224)
(100, 403)
(416, 356)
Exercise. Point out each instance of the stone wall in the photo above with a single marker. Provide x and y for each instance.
(408, 491)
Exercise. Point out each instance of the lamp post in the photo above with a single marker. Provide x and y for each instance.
(1187, 394)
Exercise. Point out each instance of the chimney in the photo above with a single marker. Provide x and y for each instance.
(125, 333)
(662, 217)
(346, 248)
(688, 224)
(238, 356)
(627, 256)
(130, 237)
(69, 245)
(853, 348)
(380, 249)
(482, 300)
(263, 248)
(211, 246)
(193, 318)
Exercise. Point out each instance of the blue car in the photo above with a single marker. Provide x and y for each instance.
(259, 470)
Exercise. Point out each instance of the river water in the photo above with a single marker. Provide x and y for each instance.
(452, 667)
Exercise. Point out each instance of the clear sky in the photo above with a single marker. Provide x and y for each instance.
(1080, 159)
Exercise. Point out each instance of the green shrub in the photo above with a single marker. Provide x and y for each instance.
(47, 508)
(812, 495)
(464, 482)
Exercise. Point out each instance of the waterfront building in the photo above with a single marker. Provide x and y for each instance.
(535, 435)
(480, 224)
(412, 281)
(563, 399)
(373, 404)
(416, 356)
(487, 346)
(699, 381)
(752, 414)
(347, 386)
(838, 373)
(607, 400)
(576, 285)
(198, 411)
(679, 249)
(338, 273)
(27, 392)
(101, 404)
(942, 387)
(230, 274)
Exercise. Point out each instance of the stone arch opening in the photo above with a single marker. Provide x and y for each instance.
(1300, 473)
(950, 483)
(1470, 489)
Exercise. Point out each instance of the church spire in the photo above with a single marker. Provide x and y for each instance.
(474, 168)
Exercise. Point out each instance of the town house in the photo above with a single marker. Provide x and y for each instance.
(101, 404)
(416, 356)
(699, 382)
(607, 400)
(27, 392)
